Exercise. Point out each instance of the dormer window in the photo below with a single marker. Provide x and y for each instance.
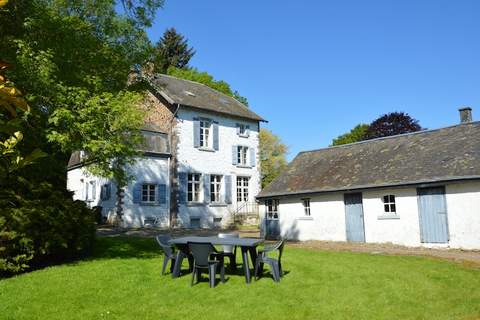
(205, 133)
(243, 130)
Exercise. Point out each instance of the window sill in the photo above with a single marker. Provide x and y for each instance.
(388, 217)
(244, 166)
(149, 204)
(206, 149)
(243, 135)
(217, 204)
(305, 218)
(195, 204)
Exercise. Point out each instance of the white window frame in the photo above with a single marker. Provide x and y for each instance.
(148, 193)
(242, 155)
(215, 188)
(271, 209)
(194, 187)
(206, 133)
(243, 186)
(306, 207)
(389, 204)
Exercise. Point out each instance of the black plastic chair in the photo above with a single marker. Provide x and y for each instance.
(168, 252)
(229, 250)
(275, 264)
(202, 259)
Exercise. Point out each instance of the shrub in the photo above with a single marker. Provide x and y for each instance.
(40, 225)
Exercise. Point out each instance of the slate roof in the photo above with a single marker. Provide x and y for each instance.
(197, 95)
(446, 154)
(156, 143)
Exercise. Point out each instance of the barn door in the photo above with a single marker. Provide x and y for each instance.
(354, 217)
(432, 211)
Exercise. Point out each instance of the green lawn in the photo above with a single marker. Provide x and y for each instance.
(123, 281)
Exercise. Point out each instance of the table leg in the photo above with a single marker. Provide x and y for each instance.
(253, 255)
(246, 267)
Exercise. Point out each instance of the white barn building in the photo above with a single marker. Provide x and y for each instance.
(200, 165)
(418, 189)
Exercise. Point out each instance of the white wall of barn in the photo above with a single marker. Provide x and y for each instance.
(327, 220)
(191, 159)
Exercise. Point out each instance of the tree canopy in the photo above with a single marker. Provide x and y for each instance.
(389, 124)
(272, 156)
(172, 50)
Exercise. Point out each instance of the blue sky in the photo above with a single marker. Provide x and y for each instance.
(315, 69)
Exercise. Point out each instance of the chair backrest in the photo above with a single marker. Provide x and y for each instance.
(228, 249)
(163, 242)
(201, 252)
(280, 244)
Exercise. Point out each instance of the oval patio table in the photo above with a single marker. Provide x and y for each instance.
(246, 244)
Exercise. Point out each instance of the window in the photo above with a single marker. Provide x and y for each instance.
(105, 192)
(242, 189)
(205, 129)
(389, 204)
(90, 190)
(215, 185)
(217, 222)
(272, 208)
(242, 155)
(194, 187)
(306, 206)
(148, 192)
(195, 223)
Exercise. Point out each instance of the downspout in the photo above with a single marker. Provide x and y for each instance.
(173, 209)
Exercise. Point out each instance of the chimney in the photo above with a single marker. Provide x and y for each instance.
(465, 114)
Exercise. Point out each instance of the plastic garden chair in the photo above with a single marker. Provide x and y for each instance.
(274, 264)
(202, 253)
(168, 252)
(230, 251)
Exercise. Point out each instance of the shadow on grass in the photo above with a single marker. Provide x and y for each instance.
(125, 248)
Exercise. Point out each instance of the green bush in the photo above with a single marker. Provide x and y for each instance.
(40, 225)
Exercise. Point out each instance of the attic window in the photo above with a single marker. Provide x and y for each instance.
(189, 93)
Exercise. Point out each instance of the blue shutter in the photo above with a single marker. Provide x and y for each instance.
(162, 194)
(215, 136)
(182, 187)
(108, 191)
(94, 190)
(252, 157)
(228, 189)
(206, 188)
(234, 155)
(247, 131)
(137, 192)
(238, 128)
(196, 133)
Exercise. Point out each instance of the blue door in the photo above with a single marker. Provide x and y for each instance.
(272, 223)
(432, 211)
(354, 217)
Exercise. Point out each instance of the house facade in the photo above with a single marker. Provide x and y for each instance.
(419, 189)
(199, 165)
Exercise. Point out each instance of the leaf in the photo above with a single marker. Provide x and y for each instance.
(3, 3)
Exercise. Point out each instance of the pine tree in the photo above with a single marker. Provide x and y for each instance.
(172, 50)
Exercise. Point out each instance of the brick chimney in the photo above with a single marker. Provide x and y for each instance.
(465, 114)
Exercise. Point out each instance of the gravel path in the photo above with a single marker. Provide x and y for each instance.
(469, 258)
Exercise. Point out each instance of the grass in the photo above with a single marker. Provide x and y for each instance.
(122, 281)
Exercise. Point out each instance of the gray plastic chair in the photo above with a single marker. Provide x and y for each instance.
(275, 264)
(202, 253)
(230, 251)
(168, 252)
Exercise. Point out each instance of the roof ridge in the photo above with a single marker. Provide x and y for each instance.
(202, 84)
(389, 137)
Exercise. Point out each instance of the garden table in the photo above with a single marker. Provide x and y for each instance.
(246, 244)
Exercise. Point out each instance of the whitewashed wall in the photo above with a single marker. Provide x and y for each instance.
(463, 207)
(327, 221)
(146, 169)
(191, 159)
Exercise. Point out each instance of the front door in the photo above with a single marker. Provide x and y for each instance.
(272, 224)
(354, 217)
(432, 211)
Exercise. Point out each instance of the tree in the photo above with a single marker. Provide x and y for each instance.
(193, 74)
(392, 124)
(355, 135)
(172, 50)
(272, 156)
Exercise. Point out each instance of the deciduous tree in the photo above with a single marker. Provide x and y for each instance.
(272, 156)
(391, 124)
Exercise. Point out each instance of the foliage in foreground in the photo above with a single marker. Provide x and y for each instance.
(122, 281)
